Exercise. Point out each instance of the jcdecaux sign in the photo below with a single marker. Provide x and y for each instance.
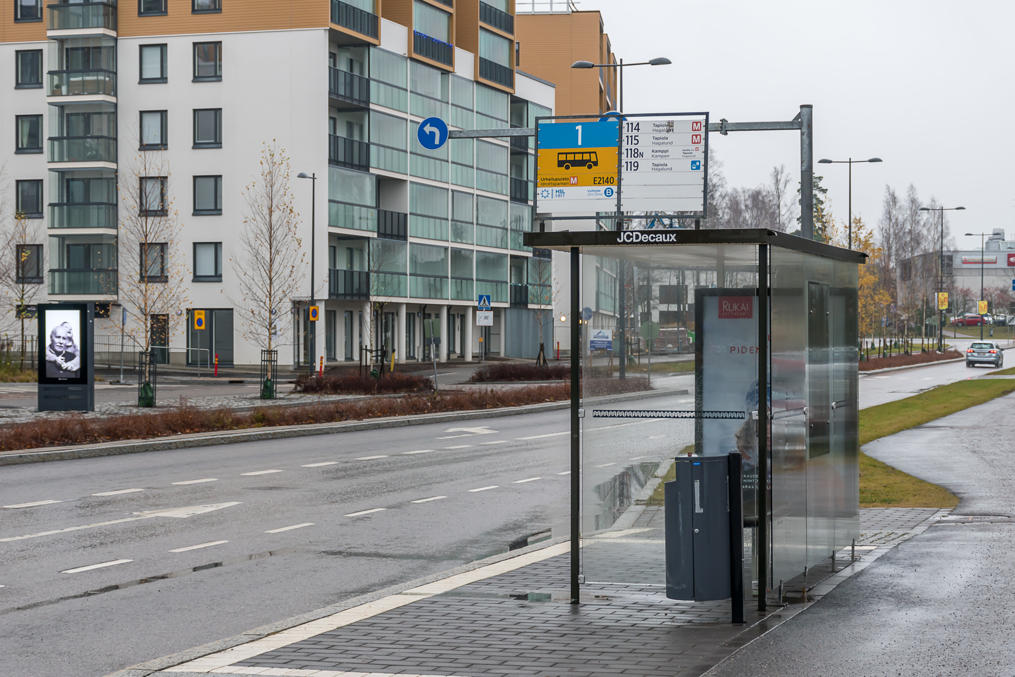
(645, 237)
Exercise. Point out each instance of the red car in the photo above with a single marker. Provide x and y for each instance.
(969, 320)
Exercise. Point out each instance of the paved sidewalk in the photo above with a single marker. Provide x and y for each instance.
(511, 616)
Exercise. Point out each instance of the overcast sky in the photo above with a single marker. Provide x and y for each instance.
(927, 85)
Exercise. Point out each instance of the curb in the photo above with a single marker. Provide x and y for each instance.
(280, 432)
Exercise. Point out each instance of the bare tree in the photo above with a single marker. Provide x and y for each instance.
(20, 271)
(270, 272)
(782, 214)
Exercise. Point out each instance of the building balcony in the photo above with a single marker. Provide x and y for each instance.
(519, 294)
(432, 48)
(82, 215)
(519, 144)
(392, 225)
(87, 149)
(348, 284)
(353, 18)
(348, 152)
(519, 190)
(447, 3)
(82, 83)
(492, 71)
(63, 282)
(496, 18)
(348, 88)
(65, 16)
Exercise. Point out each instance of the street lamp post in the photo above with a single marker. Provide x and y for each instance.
(940, 271)
(850, 162)
(311, 326)
(982, 236)
(622, 303)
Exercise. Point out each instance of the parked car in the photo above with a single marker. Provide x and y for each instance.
(988, 319)
(984, 352)
(969, 320)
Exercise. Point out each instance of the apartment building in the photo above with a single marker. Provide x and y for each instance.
(164, 105)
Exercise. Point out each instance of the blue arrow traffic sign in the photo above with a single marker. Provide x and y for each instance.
(484, 302)
(432, 133)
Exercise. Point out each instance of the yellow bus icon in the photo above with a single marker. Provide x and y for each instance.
(568, 160)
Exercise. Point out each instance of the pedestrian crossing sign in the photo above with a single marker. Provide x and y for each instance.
(484, 302)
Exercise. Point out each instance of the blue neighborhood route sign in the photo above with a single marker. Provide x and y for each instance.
(432, 133)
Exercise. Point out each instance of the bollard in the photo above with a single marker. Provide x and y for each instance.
(558, 350)
(216, 364)
(320, 369)
(392, 367)
(852, 552)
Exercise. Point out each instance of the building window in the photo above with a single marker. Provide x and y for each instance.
(153, 196)
(28, 133)
(29, 261)
(153, 63)
(28, 69)
(153, 130)
(28, 10)
(207, 128)
(207, 195)
(152, 256)
(205, 6)
(207, 61)
(151, 7)
(207, 262)
(28, 198)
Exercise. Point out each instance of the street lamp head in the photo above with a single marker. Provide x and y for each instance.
(659, 61)
(583, 64)
(825, 161)
(969, 234)
(959, 209)
(875, 159)
(304, 175)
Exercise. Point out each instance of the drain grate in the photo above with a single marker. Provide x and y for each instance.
(975, 519)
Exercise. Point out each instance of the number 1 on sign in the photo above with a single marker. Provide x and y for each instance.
(579, 128)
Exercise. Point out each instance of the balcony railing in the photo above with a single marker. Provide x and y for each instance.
(349, 86)
(432, 48)
(82, 83)
(348, 284)
(348, 152)
(82, 149)
(82, 215)
(492, 16)
(449, 3)
(519, 294)
(77, 16)
(494, 72)
(82, 282)
(519, 190)
(392, 225)
(519, 144)
(353, 18)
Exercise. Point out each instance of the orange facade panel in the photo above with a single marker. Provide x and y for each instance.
(19, 31)
(236, 15)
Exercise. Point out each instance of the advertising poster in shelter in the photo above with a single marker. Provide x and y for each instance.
(62, 357)
(726, 380)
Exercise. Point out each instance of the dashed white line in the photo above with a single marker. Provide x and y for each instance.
(605, 465)
(34, 504)
(476, 491)
(527, 479)
(539, 437)
(261, 472)
(371, 458)
(319, 465)
(494, 442)
(201, 481)
(427, 500)
(289, 528)
(117, 492)
(417, 451)
(209, 544)
(365, 512)
(101, 565)
(459, 446)
(566, 472)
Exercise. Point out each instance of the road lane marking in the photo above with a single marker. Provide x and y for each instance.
(90, 567)
(289, 528)
(365, 512)
(260, 472)
(417, 451)
(201, 481)
(451, 437)
(539, 437)
(494, 442)
(566, 472)
(459, 446)
(319, 465)
(34, 504)
(605, 465)
(476, 491)
(117, 492)
(427, 500)
(371, 458)
(209, 544)
(528, 479)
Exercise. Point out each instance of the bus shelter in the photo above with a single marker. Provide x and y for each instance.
(768, 372)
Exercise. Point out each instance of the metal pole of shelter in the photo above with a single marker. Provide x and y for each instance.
(575, 423)
(981, 283)
(762, 427)
(940, 284)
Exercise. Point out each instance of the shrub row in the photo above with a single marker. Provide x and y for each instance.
(521, 372)
(350, 381)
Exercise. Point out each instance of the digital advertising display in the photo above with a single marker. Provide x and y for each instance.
(63, 341)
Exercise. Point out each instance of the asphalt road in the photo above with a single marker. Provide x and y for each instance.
(940, 603)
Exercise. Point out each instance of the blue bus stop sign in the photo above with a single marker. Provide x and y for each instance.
(432, 133)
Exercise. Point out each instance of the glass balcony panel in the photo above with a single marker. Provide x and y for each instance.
(82, 83)
(348, 152)
(82, 215)
(497, 18)
(462, 232)
(76, 16)
(388, 284)
(463, 289)
(349, 86)
(82, 282)
(428, 287)
(82, 149)
(392, 224)
(432, 48)
(494, 72)
(356, 217)
(348, 284)
(519, 294)
(353, 18)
